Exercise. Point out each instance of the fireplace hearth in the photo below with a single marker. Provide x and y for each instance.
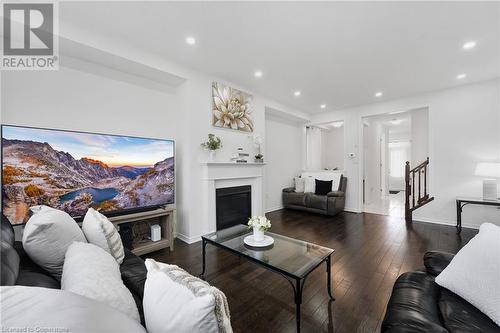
(233, 206)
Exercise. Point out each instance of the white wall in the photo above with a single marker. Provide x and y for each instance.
(419, 135)
(333, 148)
(70, 99)
(463, 130)
(284, 157)
(315, 157)
(325, 148)
(372, 135)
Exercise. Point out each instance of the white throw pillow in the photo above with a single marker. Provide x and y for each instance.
(92, 272)
(299, 184)
(310, 185)
(36, 309)
(474, 272)
(175, 301)
(334, 176)
(336, 181)
(101, 232)
(47, 236)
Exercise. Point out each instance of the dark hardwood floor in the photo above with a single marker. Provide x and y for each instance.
(371, 251)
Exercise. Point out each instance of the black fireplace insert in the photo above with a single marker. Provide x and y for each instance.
(233, 206)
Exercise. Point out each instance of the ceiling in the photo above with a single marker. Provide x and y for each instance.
(336, 53)
(400, 121)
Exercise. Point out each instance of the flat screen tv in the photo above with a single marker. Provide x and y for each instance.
(73, 171)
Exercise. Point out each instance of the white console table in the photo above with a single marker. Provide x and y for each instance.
(167, 217)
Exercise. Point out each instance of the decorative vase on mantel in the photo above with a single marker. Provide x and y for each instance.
(211, 155)
(212, 144)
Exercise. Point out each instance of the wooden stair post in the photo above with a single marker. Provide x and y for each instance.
(418, 174)
(408, 214)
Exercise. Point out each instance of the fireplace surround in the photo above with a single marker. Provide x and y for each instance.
(219, 175)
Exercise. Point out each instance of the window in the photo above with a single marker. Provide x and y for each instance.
(398, 155)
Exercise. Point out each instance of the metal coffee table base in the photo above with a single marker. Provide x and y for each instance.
(296, 283)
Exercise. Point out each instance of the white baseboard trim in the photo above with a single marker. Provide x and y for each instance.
(352, 210)
(186, 239)
(368, 211)
(444, 222)
(268, 210)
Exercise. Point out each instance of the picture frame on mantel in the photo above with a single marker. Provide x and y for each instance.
(231, 108)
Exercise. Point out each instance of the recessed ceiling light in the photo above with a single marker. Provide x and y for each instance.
(396, 121)
(190, 40)
(338, 124)
(378, 94)
(461, 76)
(322, 106)
(297, 93)
(257, 74)
(469, 45)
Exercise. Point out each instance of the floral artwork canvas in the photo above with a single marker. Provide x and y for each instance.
(231, 108)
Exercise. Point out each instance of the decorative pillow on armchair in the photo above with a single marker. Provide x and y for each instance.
(474, 272)
(176, 301)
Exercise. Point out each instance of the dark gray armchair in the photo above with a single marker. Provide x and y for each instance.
(330, 204)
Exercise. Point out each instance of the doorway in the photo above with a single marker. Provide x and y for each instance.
(389, 140)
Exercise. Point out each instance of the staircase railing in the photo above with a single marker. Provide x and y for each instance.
(416, 195)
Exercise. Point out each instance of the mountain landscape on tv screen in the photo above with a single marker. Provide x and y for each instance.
(34, 173)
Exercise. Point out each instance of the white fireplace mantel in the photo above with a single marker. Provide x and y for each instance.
(231, 163)
(228, 170)
(226, 174)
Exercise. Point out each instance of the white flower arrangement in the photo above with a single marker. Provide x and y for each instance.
(259, 222)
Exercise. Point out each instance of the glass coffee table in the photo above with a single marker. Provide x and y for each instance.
(292, 258)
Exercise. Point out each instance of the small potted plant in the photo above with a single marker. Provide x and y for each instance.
(259, 158)
(212, 145)
(259, 225)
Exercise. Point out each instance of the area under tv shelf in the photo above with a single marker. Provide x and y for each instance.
(167, 220)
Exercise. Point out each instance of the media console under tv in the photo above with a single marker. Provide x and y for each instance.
(167, 220)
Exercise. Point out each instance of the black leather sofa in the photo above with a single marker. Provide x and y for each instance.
(18, 269)
(418, 304)
(330, 204)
